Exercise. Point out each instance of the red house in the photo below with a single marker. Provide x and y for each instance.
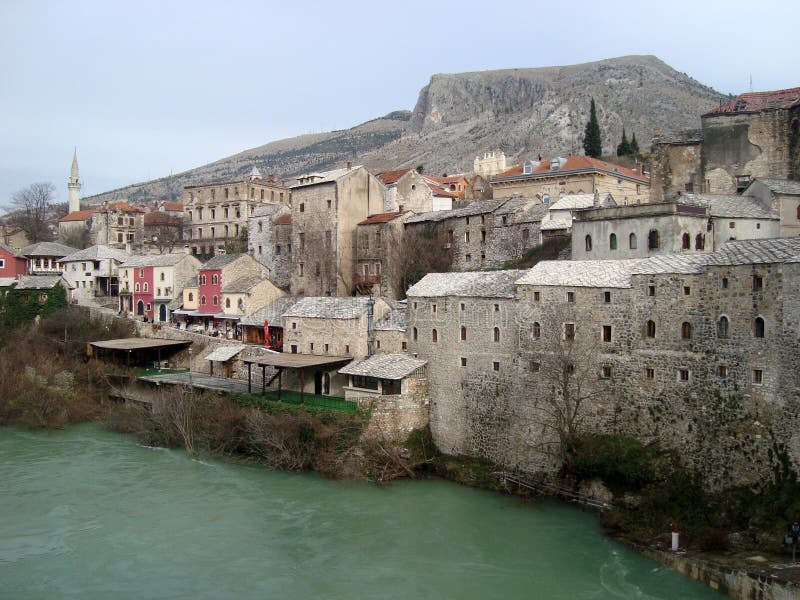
(143, 292)
(12, 263)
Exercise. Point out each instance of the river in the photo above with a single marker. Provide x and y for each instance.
(89, 514)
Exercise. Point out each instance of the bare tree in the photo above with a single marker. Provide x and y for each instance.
(32, 206)
(424, 249)
(77, 237)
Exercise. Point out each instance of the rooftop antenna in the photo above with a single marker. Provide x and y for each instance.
(751, 83)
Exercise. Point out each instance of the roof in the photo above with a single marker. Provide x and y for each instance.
(329, 307)
(384, 366)
(687, 136)
(47, 249)
(220, 261)
(267, 210)
(40, 282)
(445, 180)
(11, 251)
(782, 186)
(441, 192)
(296, 361)
(734, 207)
(98, 252)
(390, 177)
(745, 252)
(325, 176)
(380, 218)
(138, 343)
(171, 206)
(575, 164)
(120, 206)
(77, 215)
(758, 101)
(478, 284)
(395, 320)
(154, 260)
(159, 218)
(243, 284)
(581, 273)
(192, 282)
(284, 220)
(224, 353)
(581, 201)
(682, 264)
(550, 224)
(271, 313)
(477, 207)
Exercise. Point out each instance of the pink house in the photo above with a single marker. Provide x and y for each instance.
(12, 263)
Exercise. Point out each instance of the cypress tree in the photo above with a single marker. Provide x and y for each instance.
(624, 147)
(592, 142)
(634, 146)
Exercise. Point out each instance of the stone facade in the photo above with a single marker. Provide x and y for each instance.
(491, 164)
(675, 165)
(782, 196)
(269, 241)
(407, 190)
(326, 209)
(378, 255)
(118, 225)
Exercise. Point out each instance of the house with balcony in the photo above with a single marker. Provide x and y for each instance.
(44, 258)
(95, 270)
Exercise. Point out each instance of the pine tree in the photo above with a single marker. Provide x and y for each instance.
(624, 147)
(634, 146)
(592, 141)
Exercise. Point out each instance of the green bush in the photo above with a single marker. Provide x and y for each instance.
(621, 462)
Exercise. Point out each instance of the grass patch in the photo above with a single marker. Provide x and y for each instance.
(291, 398)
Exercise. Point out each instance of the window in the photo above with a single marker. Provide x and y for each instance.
(683, 375)
(191, 297)
(798, 212)
(468, 258)
(414, 334)
(328, 238)
(317, 270)
(496, 308)
(240, 304)
(466, 236)
(606, 333)
(687, 291)
(278, 249)
(588, 243)
(146, 287)
(722, 327)
(462, 307)
(119, 238)
(434, 336)
(686, 242)
(227, 302)
(463, 361)
(605, 372)
(202, 279)
(651, 290)
(215, 300)
(311, 347)
(302, 207)
(537, 296)
(732, 225)
(203, 300)
(536, 331)
(534, 366)
(650, 329)
(483, 236)
(433, 308)
(214, 279)
(329, 203)
(302, 240)
(722, 371)
(570, 296)
(136, 288)
(653, 240)
(607, 297)
(758, 282)
(526, 234)
(163, 276)
(700, 242)
(724, 283)
(612, 241)
(632, 241)
(569, 331)
(686, 330)
(758, 377)
(415, 306)
(294, 348)
(649, 373)
(496, 365)
(496, 334)
(758, 327)
(463, 333)
(302, 269)
(260, 250)
(404, 345)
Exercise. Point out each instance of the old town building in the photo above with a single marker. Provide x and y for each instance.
(13, 263)
(95, 269)
(783, 196)
(44, 258)
(378, 255)
(151, 284)
(407, 190)
(269, 241)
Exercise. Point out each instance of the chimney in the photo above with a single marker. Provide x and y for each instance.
(271, 178)
(349, 165)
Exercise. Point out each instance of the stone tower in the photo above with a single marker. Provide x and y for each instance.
(74, 185)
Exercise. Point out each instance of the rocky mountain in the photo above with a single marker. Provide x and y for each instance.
(524, 112)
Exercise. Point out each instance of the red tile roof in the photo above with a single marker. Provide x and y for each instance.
(380, 218)
(758, 101)
(284, 220)
(441, 192)
(121, 206)
(159, 218)
(575, 163)
(172, 206)
(390, 177)
(445, 180)
(78, 215)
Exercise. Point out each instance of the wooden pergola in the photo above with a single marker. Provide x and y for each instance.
(135, 347)
(281, 361)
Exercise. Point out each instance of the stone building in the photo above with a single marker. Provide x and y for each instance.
(221, 271)
(550, 179)
(698, 352)
(163, 231)
(378, 249)
(44, 258)
(695, 223)
(118, 225)
(217, 213)
(491, 164)
(95, 269)
(560, 213)
(754, 135)
(152, 285)
(390, 331)
(407, 190)
(783, 196)
(326, 210)
(453, 185)
(269, 241)
(485, 233)
(13, 264)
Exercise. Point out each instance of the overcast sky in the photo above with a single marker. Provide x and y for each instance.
(144, 88)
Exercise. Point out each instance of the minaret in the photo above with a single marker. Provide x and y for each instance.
(74, 185)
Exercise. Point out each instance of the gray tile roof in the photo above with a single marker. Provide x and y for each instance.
(395, 320)
(11, 251)
(480, 284)
(745, 252)
(271, 313)
(689, 136)
(242, 285)
(40, 282)
(326, 176)
(47, 249)
(220, 261)
(268, 210)
(98, 252)
(154, 260)
(550, 224)
(782, 186)
(672, 263)
(477, 207)
(581, 201)
(192, 282)
(329, 307)
(581, 273)
(384, 366)
(732, 207)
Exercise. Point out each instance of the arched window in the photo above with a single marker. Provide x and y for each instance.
(434, 335)
(496, 334)
(686, 330)
(722, 327)
(215, 300)
(798, 212)
(415, 334)
(650, 329)
(202, 300)
(241, 304)
(146, 287)
(686, 242)
(536, 331)
(588, 242)
(758, 327)
(612, 241)
(227, 302)
(463, 334)
(137, 287)
(191, 297)
(653, 240)
(700, 242)
(632, 241)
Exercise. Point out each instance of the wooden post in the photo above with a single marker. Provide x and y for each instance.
(280, 376)
(249, 378)
(302, 387)
(211, 368)
(263, 380)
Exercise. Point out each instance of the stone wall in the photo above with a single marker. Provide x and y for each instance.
(393, 418)
(264, 244)
(674, 169)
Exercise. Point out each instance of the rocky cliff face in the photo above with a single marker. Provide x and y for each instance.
(524, 112)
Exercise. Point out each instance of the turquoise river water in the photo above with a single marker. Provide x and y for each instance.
(85, 513)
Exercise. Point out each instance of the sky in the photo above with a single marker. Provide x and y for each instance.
(146, 88)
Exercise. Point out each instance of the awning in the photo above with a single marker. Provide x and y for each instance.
(138, 344)
(297, 361)
(224, 353)
(183, 312)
